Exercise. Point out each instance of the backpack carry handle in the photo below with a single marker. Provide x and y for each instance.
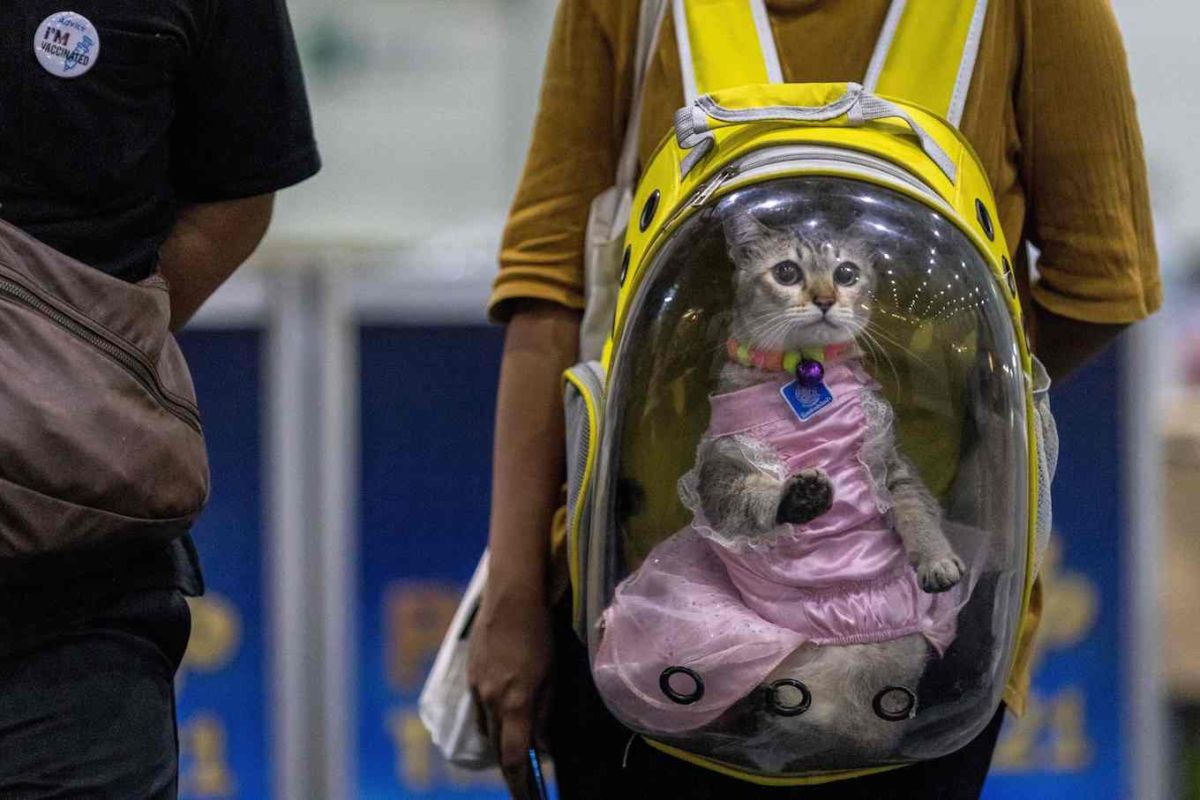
(694, 124)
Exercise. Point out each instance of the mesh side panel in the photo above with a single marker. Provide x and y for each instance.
(578, 430)
(1047, 449)
(581, 440)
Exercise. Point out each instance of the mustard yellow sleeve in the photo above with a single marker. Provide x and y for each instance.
(1083, 166)
(571, 159)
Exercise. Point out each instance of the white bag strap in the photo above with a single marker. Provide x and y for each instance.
(926, 53)
(650, 24)
(724, 43)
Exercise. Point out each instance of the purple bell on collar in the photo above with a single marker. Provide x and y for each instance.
(810, 373)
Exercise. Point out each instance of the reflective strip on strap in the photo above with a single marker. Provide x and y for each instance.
(724, 43)
(926, 53)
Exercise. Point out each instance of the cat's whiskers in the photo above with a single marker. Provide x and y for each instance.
(767, 332)
(881, 356)
(895, 343)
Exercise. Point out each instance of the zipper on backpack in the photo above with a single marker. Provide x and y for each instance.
(122, 354)
(784, 155)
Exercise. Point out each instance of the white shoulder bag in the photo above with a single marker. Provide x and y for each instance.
(609, 214)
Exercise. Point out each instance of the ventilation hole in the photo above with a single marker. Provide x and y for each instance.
(648, 211)
(788, 698)
(985, 220)
(895, 703)
(681, 685)
(625, 264)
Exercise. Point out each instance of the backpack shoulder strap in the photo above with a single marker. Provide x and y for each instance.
(724, 43)
(926, 53)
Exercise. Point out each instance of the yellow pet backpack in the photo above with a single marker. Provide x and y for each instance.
(809, 476)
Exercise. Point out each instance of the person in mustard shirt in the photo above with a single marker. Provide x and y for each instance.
(1051, 115)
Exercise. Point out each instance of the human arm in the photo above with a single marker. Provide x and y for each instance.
(510, 640)
(210, 241)
(539, 293)
(241, 132)
(1085, 175)
(1065, 345)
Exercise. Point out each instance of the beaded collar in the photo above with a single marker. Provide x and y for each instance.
(787, 360)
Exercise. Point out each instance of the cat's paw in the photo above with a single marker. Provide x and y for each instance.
(806, 496)
(940, 574)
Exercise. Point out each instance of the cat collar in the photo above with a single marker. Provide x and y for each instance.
(806, 363)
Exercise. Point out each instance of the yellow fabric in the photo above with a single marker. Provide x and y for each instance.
(725, 46)
(928, 28)
(762, 780)
(1046, 69)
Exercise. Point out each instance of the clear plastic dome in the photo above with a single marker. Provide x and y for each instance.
(809, 532)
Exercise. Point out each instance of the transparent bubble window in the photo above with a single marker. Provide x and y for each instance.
(808, 543)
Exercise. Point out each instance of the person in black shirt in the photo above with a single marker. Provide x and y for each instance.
(135, 136)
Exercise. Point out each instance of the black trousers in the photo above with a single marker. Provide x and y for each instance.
(591, 759)
(87, 703)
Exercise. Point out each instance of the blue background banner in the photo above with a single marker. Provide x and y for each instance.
(1069, 744)
(428, 398)
(221, 686)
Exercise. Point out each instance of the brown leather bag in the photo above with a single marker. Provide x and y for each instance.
(100, 438)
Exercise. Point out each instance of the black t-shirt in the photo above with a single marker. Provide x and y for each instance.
(184, 101)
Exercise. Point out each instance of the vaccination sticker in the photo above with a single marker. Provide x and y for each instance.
(66, 44)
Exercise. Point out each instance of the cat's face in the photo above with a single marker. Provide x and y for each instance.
(792, 291)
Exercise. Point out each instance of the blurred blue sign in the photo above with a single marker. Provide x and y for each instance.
(428, 400)
(221, 686)
(1069, 743)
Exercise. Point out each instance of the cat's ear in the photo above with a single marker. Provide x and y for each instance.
(744, 235)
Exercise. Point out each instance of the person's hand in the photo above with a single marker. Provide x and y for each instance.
(508, 666)
(510, 641)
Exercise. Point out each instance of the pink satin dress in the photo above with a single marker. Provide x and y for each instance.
(732, 615)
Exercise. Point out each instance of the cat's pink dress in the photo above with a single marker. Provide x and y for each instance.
(733, 616)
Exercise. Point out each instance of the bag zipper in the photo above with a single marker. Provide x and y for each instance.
(125, 356)
(812, 155)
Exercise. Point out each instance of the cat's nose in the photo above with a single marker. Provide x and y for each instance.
(823, 303)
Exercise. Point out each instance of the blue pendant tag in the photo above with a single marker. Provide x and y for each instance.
(805, 401)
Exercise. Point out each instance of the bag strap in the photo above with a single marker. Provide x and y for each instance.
(724, 43)
(926, 53)
(650, 23)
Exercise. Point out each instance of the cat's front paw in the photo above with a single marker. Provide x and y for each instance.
(806, 496)
(940, 574)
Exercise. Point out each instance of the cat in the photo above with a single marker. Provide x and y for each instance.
(795, 292)
(802, 601)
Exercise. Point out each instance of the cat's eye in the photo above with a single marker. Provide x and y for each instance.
(846, 274)
(787, 273)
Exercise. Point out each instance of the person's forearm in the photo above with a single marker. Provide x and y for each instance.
(210, 241)
(541, 342)
(1064, 345)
